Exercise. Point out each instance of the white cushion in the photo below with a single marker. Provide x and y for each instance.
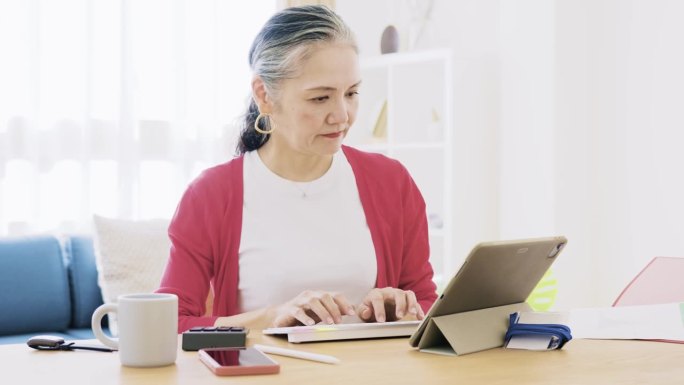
(131, 257)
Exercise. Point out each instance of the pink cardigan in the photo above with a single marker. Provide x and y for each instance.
(205, 236)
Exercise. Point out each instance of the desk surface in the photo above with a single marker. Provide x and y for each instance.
(388, 361)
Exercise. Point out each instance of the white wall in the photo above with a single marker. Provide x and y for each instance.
(567, 121)
(619, 101)
(526, 119)
(573, 152)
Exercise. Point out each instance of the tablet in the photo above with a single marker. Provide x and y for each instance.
(495, 274)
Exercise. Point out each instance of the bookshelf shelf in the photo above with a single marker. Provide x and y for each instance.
(405, 112)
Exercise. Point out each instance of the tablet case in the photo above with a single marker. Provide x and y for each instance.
(494, 281)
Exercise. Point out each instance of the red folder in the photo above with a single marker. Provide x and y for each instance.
(661, 281)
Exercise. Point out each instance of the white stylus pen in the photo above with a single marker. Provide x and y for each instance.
(297, 354)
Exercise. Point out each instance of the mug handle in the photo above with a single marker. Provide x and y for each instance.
(95, 323)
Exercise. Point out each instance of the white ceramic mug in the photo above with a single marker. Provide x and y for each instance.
(148, 328)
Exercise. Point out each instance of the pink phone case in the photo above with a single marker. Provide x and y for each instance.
(237, 370)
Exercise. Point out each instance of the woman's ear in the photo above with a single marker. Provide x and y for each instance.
(260, 95)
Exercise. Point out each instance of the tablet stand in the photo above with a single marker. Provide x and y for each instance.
(468, 332)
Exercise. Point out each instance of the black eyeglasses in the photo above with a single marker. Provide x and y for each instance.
(57, 343)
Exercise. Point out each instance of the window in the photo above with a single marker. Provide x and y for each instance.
(111, 107)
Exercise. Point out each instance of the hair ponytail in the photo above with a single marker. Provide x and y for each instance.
(250, 139)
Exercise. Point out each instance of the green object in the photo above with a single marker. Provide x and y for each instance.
(543, 296)
(681, 311)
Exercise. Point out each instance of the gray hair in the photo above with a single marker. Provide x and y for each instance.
(286, 39)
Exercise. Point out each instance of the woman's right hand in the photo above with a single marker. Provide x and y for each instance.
(311, 307)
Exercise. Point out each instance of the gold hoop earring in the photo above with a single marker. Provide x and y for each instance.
(259, 130)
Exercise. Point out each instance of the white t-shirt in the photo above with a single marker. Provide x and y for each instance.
(300, 236)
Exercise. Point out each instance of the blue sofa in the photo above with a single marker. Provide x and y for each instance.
(47, 286)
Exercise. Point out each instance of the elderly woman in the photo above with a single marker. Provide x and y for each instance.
(298, 228)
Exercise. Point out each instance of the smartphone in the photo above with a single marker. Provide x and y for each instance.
(237, 361)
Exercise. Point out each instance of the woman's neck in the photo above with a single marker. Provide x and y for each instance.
(293, 165)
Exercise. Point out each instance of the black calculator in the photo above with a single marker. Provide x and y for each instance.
(214, 337)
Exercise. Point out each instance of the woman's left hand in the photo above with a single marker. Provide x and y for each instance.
(389, 304)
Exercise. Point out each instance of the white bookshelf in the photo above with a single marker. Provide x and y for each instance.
(417, 89)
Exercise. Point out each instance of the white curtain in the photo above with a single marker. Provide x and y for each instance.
(297, 3)
(113, 106)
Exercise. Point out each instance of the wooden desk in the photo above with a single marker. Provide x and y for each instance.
(387, 361)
